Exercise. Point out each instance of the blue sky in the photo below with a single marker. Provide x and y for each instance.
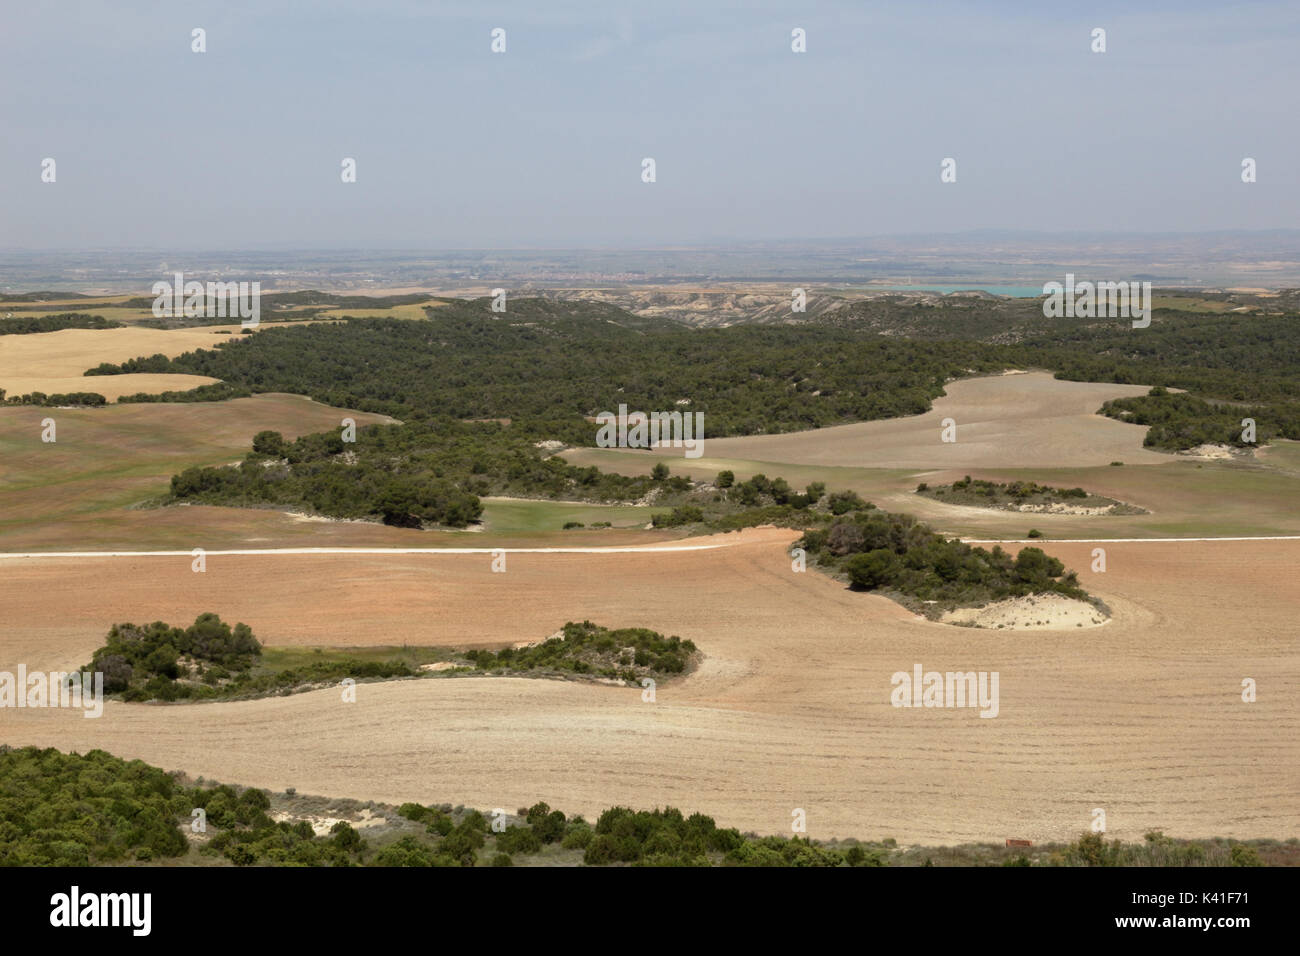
(240, 147)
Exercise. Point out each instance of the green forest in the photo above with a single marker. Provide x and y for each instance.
(27, 324)
(557, 364)
(1178, 421)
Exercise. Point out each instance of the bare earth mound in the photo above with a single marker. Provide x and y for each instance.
(1039, 612)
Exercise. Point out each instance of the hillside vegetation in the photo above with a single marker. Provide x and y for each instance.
(209, 660)
(27, 324)
(903, 558)
(95, 809)
(558, 363)
(1020, 496)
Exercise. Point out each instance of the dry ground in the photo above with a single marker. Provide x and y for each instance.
(1009, 421)
(1141, 717)
(53, 362)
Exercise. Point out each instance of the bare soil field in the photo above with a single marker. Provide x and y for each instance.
(1030, 420)
(1142, 717)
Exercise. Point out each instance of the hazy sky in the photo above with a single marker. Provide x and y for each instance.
(240, 147)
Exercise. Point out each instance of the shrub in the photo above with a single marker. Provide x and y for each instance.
(518, 840)
(874, 569)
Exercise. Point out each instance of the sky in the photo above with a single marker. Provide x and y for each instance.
(159, 147)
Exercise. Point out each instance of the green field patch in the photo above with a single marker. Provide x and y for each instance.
(519, 515)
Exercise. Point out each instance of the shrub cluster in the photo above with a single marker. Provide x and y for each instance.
(156, 661)
(895, 552)
(627, 654)
(408, 475)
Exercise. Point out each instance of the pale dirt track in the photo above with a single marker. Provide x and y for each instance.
(1007, 421)
(1142, 717)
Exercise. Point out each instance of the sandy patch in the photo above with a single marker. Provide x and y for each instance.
(1060, 508)
(1040, 612)
(1215, 452)
(321, 825)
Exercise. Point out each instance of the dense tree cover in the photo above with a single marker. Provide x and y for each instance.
(27, 324)
(408, 475)
(156, 661)
(669, 838)
(153, 364)
(879, 551)
(58, 399)
(558, 362)
(1181, 421)
(1232, 357)
(626, 653)
(216, 392)
(69, 810)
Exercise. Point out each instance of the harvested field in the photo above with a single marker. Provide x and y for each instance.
(1003, 421)
(53, 362)
(1142, 717)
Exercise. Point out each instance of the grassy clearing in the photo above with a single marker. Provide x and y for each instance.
(108, 460)
(515, 515)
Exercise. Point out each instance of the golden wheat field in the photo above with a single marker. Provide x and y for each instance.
(53, 362)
